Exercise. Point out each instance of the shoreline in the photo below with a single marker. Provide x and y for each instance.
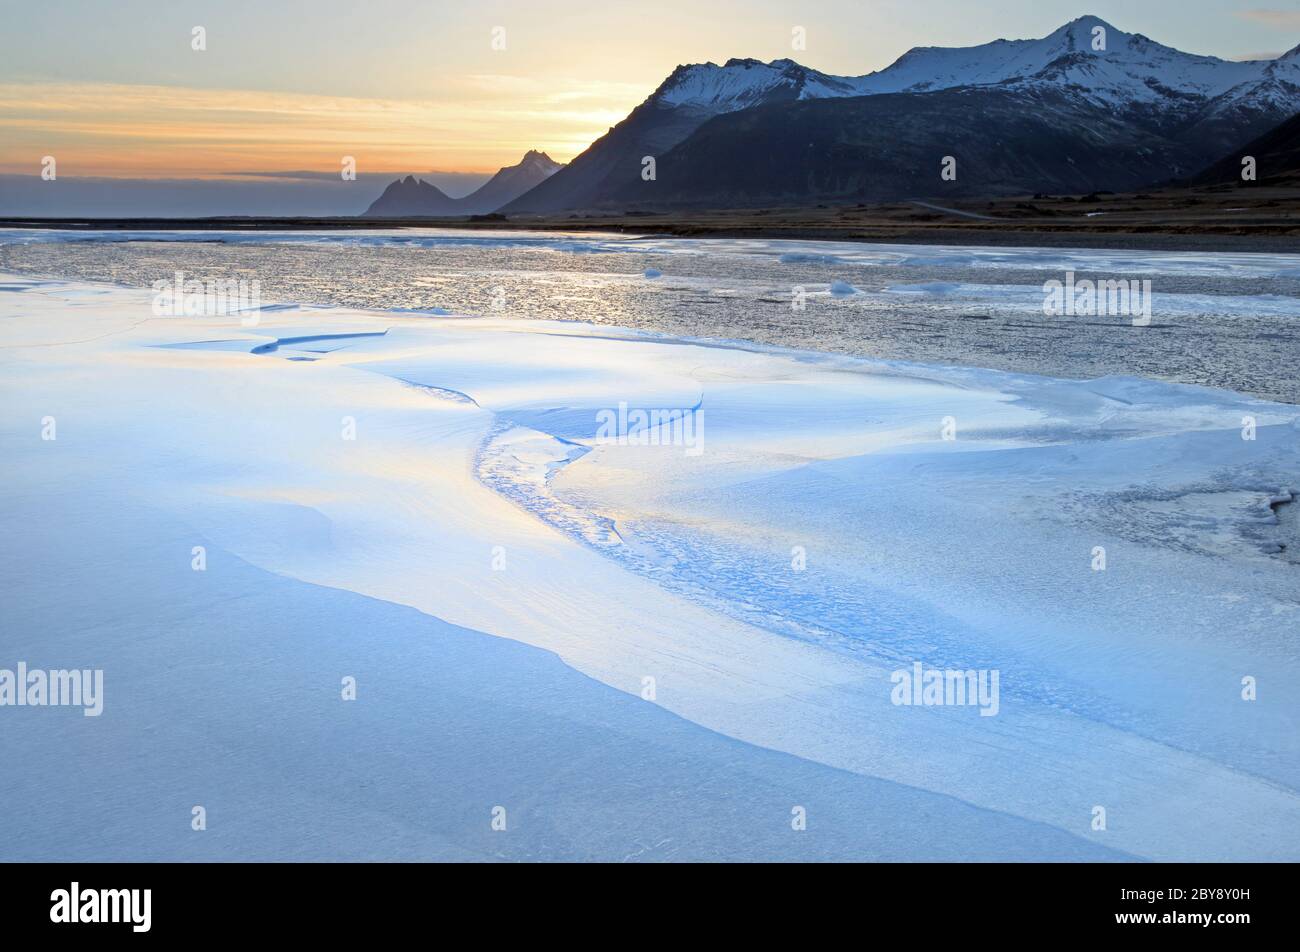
(1264, 219)
(974, 236)
(862, 362)
(960, 305)
(1092, 241)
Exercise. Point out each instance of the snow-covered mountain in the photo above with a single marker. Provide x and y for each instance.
(1275, 88)
(1130, 68)
(741, 83)
(1197, 105)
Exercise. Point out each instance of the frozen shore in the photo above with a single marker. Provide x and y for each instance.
(1226, 320)
(422, 503)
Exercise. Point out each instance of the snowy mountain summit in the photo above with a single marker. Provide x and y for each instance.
(1086, 57)
(539, 163)
(741, 83)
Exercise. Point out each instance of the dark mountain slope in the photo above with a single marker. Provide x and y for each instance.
(410, 197)
(611, 161)
(1277, 159)
(891, 146)
(511, 182)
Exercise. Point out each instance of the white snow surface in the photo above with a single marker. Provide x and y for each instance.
(476, 494)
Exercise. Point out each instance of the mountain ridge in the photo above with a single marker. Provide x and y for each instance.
(411, 197)
(1201, 104)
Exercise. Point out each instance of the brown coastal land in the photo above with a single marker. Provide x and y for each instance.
(1223, 217)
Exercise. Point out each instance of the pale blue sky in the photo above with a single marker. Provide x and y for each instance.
(404, 48)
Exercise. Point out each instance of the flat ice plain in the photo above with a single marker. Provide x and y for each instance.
(502, 584)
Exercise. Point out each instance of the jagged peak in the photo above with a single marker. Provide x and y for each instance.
(1088, 21)
(539, 157)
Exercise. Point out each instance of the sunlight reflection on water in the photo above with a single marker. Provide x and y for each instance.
(1228, 321)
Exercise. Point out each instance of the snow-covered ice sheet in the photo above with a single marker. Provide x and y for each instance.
(744, 599)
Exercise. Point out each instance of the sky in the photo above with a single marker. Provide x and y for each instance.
(118, 90)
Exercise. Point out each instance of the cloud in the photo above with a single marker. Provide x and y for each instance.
(1255, 57)
(480, 124)
(1284, 19)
